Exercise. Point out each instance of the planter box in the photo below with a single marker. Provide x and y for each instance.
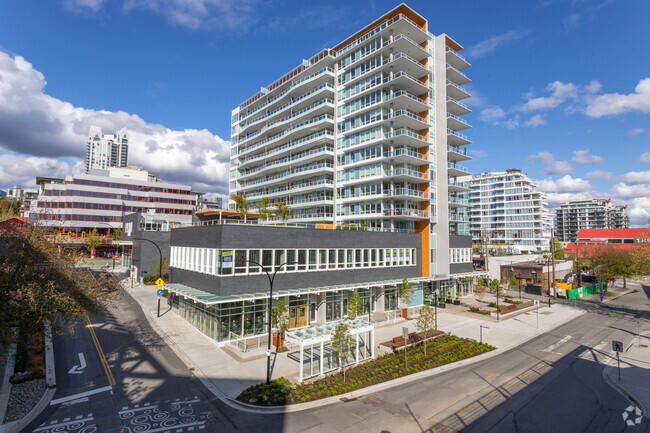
(278, 339)
(405, 313)
(457, 302)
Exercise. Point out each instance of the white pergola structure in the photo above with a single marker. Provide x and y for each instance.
(316, 354)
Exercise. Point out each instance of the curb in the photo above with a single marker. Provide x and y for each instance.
(50, 382)
(244, 407)
(607, 375)
(6, 385)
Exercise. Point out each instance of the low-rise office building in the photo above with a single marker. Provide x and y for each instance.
(100, 200)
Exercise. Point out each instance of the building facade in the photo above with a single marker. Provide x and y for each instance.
(104, 151)
(100, 200)
(366, 133)
(362, 143)
(507, 208)
(573, 216)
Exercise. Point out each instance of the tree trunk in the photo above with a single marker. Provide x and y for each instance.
(624, 285)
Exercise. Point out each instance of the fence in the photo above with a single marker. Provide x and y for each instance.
(580, 292)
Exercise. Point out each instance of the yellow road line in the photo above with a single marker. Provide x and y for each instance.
(100, 352)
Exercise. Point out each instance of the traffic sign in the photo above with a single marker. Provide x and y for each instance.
(405, 333)
(617, 346)
(159, 292)
(160, 282)
(536, 303)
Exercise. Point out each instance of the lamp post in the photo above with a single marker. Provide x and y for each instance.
(271, 279)
(159, 265)
(518, 283)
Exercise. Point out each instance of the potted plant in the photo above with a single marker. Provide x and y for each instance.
(405, 296)
(280, 321)
(456, 300)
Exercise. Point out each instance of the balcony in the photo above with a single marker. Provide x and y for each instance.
(301, 157)
(457, 154)
(406, 174)
(404, 137)
(455, 91)
(408, 101)
(455, 170)
(321, 136)
(455, 186)
(407, 193)
(296, 173)
(405, 213)
(456, 60)
(458, 202)
(455, 123)
(456, 108)
(456, 76)
(456, 139)
(282, 190)
(407, 82)
(407, 156)
(456, 218)
(404, 62)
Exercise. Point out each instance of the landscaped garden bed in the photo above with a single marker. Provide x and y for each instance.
(441, 350)
(478, 310)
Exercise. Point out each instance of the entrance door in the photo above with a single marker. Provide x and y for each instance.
(292, 317)
(302, 316)
(297, 317)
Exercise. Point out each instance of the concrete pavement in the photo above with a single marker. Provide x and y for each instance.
(226, 377)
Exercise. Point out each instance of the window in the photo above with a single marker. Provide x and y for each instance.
(302, 260)
(254, 256)
(322, 259)
(240, 261)
(291, 260)
(341, 261)
(313, 260)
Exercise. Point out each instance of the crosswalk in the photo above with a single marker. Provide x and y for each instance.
(177, 416)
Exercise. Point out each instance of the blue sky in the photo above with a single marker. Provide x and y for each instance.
(561, 89)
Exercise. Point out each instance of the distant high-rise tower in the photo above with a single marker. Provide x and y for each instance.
(106, 150)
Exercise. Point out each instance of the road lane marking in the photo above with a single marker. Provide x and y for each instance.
(63, 424)
(552, 347)
(78, 369)
(80, 395)
(100, 352)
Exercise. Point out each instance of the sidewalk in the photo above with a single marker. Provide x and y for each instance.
(635, 370)
(226, 377)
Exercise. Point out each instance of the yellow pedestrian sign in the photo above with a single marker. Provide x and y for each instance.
(160, 282)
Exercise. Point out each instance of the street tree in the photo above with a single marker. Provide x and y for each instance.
(241, 205)
(495, 285)
(37, 286)
(355, 308)
(164, 271)
(93, 241)
(280, 320)
(558, 250)
(342, 345)
(406, 292)
(426, 322)
(9, 207)
(612, 262)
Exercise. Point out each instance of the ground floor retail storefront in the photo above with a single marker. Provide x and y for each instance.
(237, 317)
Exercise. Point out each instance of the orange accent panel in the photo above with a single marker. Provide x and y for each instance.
(423, 62)
(423, 228)
(452, 44)
(401, 9)
(325, 226)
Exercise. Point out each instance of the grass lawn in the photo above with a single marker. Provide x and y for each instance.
(441, 350)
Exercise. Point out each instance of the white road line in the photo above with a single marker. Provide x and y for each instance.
(552, 347)
(137, 409)
(180, 426)
(83, 394)
(49, 426)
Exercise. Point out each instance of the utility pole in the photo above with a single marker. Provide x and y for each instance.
(553, 255)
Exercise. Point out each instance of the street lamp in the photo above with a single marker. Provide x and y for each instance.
(271, 279)
(159, 265)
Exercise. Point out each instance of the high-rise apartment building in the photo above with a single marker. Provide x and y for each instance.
(574, 216)
(104, 151)
(366, 133)
(507, 208)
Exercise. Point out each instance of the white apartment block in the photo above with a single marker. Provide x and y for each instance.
(507, 208)
(104, 151)
(366, 133)
(573, 216)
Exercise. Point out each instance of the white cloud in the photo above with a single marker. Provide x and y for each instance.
(490, 44)
(585, 157)
(565, 184)
(511, 123)
(600, 174)
(571, 21)
(81, 6)
(615, 103)
(560, 92)
(635, 177)
(35, 124)
(634, 132)
(625, 191)
(645, 157)
(535, 121)
(551, 165)
(492, 113)
(16, 169)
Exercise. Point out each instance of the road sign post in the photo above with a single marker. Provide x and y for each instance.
(536, 302)
(405, 335)
(487, 330)
(617, 346)
(159, 283)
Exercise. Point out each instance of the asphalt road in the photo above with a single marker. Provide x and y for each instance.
(141, 386)
(551, 383)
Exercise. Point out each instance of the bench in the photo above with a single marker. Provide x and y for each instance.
(508, 309)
